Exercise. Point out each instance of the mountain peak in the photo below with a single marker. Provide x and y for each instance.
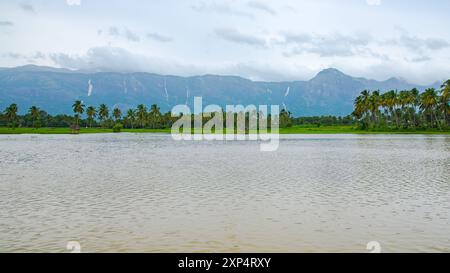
(331, 71)
(396, 80)
(329, 74)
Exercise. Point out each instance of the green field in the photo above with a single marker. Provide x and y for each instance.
(292, 130)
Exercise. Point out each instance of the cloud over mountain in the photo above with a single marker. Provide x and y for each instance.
(259, 39)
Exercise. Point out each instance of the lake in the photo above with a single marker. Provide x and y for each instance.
(149, 193)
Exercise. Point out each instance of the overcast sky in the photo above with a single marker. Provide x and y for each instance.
(261, 40)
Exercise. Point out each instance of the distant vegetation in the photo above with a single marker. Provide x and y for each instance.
(88, 117)
(408, 109)
(139, 118)
(323, 121)
(393, 111)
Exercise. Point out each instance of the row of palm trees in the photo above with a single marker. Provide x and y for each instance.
(90, 116)
(140, 117)
(35, 114)
(404, 109)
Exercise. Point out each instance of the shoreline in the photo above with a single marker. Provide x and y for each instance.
(297, 130)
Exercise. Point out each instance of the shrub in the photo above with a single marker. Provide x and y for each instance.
(117, 128)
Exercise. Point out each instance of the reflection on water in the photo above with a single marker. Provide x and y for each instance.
(148, 193)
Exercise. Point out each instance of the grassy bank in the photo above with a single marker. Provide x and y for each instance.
(291, 130)
(63, 131)
(353, 130)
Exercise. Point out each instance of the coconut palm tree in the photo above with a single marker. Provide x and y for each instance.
(374, 102)
(35, 114)
(360, 105)
(117, 114)
(384, 105)
(130, 118)
(445, 101)
(103, 113)
(78, 109)
(414, 101)
(391, 101)
(11, 115)
(429, 103)
(154, 116)
(404, 102)
(359, 108)
(362, 108)
(407, 108)
(285, 119)
(142, 115)
(91, 113)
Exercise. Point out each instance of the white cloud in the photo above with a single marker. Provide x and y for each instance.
(261, 6)
(235, 36)
(118, 33)
(223, 8)
(373, 2)
(114, 59)
(259, 39)
(159, 37)
(73, 2)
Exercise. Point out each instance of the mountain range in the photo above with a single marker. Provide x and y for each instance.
(330, 92)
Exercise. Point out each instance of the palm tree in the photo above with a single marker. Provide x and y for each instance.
(35, 114)
(130, 118)
(141, 115)
(445, 101)
(285, 119)
(403, 100)
(391, 101)
(374, 106)
(11, 115)
(91, 112)
(429, 102)
(154, 116)
(409, 108)
(358, 106)
(103, 113)
(362, 108)
(384, 104)
(117, 114)
(414, 100)
(78, 109)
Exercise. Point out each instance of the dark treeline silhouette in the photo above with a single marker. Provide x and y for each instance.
(407, 109)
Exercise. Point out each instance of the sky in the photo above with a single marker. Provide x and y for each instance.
(281, 40)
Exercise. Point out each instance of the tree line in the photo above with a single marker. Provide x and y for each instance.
(88, 116)
(324, 121)
(103, 117)
(406, 109)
